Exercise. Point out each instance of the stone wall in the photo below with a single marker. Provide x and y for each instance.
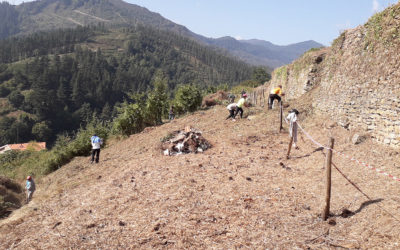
(300, 76)
(358, 78)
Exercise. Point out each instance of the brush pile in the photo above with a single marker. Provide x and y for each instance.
(185, 141)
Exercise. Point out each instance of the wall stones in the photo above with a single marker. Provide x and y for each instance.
(357, 84)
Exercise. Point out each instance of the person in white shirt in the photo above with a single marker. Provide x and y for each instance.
(96, 144)
(232, 108)
(292, 118)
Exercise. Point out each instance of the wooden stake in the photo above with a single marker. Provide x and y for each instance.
(280, 116)
(290, 147)
(328, 163)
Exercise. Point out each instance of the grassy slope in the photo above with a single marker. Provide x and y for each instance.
(237, 194)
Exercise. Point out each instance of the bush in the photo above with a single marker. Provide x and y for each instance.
(187, 98)
(130, 120)
(11, 196)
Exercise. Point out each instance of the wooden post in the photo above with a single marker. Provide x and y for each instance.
(328, 163)
(280, 116)
(263, 98)
(290, 147)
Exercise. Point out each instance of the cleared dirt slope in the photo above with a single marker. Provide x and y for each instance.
(241, 193)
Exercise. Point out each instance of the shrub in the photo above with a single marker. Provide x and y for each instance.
(11, 196)
(130, 120)
(187, 98)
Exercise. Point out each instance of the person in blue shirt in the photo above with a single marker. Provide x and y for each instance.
(96, 144)
(30, 188)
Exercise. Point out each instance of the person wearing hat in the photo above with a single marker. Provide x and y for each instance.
(292, 118)
(276, 93)
(239, 106)
(96, 144)
(30, 188)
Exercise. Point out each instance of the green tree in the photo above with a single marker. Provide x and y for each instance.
(106, 113)
(130, 120)
(187, 98)
(157, 101)
(16, 98)
(41, 131)
(260, 75)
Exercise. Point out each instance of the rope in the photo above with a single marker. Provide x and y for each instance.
(377, 170)
(309, 137)
(353, 159)
(356, 187)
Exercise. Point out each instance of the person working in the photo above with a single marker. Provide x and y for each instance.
(232, 108)
(240, 105)
(231, 98)
(96, 144)
(276, 93)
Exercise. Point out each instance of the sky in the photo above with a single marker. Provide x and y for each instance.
(281, 22)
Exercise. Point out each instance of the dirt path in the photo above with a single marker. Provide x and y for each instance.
(241, 193)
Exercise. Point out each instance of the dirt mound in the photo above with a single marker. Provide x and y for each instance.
(214, 99)
(185, 141)
(11, 196)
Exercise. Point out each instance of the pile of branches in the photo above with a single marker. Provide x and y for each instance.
(184, 142)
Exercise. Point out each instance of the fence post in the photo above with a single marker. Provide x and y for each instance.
(280, 116)
(263, 98)
(290, 147)
(328, 163)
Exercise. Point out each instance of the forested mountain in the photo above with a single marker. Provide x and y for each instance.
(51, 14)
(259, 52)
(52, 82)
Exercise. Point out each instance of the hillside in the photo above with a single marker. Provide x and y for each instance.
(45, 15)
(57, 81)
(356, 80)
(241, 193)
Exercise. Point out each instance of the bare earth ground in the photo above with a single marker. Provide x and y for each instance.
(241, 193)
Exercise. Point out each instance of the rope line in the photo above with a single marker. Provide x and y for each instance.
(356, 187)
(369, 166)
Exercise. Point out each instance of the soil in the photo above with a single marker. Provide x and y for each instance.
(240, 193)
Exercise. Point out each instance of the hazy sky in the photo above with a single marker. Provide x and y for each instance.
(281, 22)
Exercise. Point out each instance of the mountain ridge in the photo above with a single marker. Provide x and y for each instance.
(51, 14)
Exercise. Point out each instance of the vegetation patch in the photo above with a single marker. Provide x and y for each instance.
(11, 196)
(281, 73)
(383, 28)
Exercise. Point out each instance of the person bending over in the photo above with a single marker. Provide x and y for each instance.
(240, 105)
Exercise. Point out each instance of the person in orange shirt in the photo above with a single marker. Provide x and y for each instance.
(276, 93)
